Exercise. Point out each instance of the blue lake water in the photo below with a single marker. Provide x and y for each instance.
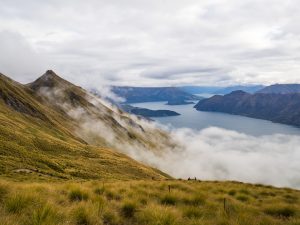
(191, 118)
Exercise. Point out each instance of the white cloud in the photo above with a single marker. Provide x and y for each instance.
(219, 154)
(120, 41)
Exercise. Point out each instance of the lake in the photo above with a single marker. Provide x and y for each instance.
(191, 118)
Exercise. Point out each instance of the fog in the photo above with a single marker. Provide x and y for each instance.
(209, 154)
(219, 154)
(212, 153)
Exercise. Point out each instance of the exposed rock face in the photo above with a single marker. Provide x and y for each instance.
(281, 108)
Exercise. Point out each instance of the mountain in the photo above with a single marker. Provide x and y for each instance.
(280, 108)
(144, 112)
(281, 89)
(152, 94)
(249, 89)
(52, 129)
(200, 89)
(221, 90)
(148, 112)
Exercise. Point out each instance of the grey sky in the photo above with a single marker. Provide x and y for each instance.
(152, 43)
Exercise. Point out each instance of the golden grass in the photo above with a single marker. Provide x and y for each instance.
(147, 203)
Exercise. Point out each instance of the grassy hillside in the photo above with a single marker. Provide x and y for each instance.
(148, 203)
(37, 141)
(95, 121)
(54, 170)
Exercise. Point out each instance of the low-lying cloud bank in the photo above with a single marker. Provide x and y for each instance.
(209, 154)
(219, 154)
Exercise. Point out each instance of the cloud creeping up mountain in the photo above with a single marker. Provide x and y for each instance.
(281, 89)
(152, 94)
(281, 108)
(52, 129)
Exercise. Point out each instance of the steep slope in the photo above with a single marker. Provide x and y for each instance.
(37, 141)
(98, 122)
(152, 94)
(281, 108)
(280, 89)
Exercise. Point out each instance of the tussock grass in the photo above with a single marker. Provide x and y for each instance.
(17, 202)
(280, 211)
(147, 203)
(169, 200)
(82, 216)
(44, 215)
(128, 209)
(78, 195)
(3, 192)
(242, 198)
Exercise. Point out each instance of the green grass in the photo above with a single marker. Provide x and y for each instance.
(147, 203)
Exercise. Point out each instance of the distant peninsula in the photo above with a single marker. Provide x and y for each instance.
(279, 108)
(148, 112)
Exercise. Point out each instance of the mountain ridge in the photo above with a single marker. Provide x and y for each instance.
(280, 108)
(39, 140)
(280, 89)
(151, 94)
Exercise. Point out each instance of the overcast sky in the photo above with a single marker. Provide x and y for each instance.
(152, 43)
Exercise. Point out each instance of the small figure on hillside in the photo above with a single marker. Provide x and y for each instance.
(189, 178)
(195, 178)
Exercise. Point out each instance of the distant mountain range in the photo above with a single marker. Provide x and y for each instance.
(281, 108)
(139, 111)
(281, 89)
(220, 90)
(153, 94)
